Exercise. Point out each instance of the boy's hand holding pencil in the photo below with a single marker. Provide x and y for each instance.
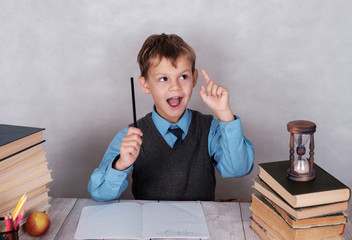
(216, 98)
(130, 147)
(131, 143)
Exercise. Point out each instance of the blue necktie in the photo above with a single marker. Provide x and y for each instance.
(178, 133)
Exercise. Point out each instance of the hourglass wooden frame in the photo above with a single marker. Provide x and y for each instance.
(305, 128)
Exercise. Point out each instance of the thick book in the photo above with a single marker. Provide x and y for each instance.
(323, 189)
(32, 202)
(325, 220)
(18, 159)
(260, 230)
(26, 186)
(131, 220)
(298, 213)
(17, 174)
(33, 173)
(14, 139)
(262, 211)
(9, 205)
(265, 232)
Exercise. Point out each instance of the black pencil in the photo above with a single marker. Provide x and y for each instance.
(133, 104)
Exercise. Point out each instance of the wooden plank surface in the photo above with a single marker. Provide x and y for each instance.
(226, 220)
(246, 214)
(348, 230)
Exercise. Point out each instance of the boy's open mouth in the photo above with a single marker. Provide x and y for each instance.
(174, 101)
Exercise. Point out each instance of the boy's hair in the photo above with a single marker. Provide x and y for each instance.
(169, 46)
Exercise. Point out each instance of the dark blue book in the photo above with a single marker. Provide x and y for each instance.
(15, 139)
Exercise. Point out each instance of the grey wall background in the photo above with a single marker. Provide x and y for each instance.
(65, 65)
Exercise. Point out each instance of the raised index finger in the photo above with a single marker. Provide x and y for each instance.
(206, 76)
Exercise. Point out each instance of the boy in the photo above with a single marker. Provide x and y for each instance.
(173, 151)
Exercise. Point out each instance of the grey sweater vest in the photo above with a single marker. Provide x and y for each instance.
(161, 173)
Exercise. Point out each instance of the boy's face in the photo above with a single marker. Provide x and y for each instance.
(171, 87)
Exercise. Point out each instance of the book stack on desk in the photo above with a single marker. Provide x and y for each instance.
(285, 209)
(23, 169)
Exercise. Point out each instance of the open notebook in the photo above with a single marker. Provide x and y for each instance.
(130, 220)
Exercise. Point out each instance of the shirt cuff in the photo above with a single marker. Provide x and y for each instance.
(116, 175)
(115, 160)
(232, 128)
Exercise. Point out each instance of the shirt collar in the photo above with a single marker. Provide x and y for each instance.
(163, 125)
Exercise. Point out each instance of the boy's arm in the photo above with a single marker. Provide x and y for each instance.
(107, 183)
(232, 152)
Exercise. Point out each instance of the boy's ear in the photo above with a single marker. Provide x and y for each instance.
(142, 81)
(195, 77)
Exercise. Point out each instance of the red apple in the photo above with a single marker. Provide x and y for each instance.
(37, 224)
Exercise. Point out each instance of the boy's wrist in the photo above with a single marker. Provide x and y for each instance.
(225, 116)
(119, 167)
(116, 164)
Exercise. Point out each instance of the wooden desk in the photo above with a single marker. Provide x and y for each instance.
(226, 220)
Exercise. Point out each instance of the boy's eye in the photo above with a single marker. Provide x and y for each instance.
(162, 79)
(184, 77)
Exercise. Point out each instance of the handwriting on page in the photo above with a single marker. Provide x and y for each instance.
(173, 232)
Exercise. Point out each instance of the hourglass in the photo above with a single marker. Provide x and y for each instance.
(301, 163)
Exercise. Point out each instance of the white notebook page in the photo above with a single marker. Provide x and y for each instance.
(174, 220)
(109, 221)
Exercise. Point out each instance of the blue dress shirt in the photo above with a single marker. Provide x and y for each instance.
(232, 152)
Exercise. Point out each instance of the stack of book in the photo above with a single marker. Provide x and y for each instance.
(23, 170)
(285, 209)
